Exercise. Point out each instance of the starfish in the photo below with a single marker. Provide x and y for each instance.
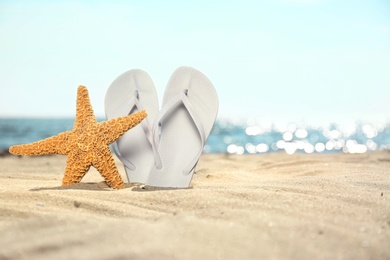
(87, 144)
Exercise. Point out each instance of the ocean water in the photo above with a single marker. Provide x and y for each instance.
(251, 137)
(235, 137)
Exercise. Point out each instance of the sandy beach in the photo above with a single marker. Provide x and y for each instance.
(272, 206)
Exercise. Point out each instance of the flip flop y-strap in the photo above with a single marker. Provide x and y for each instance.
(134, 103)
(168, 108)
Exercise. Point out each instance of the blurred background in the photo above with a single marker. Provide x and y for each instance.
(292, 75)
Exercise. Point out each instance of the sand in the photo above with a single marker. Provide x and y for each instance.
(272, 206)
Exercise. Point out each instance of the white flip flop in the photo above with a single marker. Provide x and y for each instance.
(130, 92)
(189, 110)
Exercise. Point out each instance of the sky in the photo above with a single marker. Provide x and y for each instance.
(310, 61)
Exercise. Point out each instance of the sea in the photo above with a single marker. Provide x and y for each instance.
(235, 136)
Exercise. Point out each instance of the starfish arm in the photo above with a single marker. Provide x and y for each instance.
(84, 111)
(75, 169)
(52, 145)
(105, 164)
(113, 129)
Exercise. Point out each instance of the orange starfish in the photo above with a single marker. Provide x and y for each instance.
(85, 145)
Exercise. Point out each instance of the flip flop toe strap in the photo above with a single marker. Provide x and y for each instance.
(168, 109)
(134, 103)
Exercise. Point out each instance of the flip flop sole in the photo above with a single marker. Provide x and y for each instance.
(188, 113)
(131, 89)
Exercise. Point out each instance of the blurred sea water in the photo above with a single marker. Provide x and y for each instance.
(251, 137)
(235, 136)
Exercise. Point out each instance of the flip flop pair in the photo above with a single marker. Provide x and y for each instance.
(164, 149)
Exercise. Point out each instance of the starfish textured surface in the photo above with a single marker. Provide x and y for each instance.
(87, 144)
